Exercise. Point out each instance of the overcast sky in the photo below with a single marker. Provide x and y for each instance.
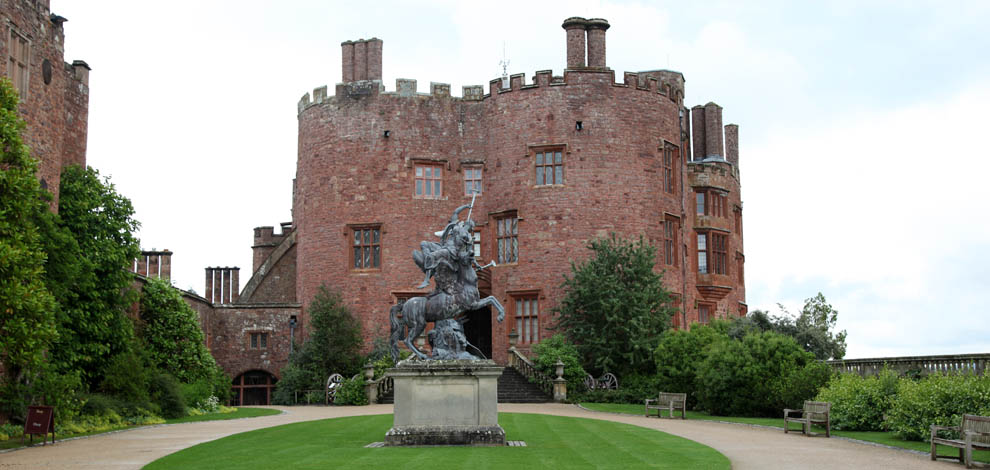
(862, 129)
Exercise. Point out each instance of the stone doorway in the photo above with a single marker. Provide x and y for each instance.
(478, 330)
(253, 388)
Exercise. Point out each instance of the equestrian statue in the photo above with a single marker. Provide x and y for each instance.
(452, 266)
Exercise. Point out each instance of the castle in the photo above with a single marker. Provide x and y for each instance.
(552, 162)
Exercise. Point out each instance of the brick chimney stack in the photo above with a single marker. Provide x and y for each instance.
(596, 42)
(361, 60)
(222, 285)
(154, 264)
(713, 132)
(732, 144)
(576, 44)
(698, 132)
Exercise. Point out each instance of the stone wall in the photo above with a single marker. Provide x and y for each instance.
(55, 102)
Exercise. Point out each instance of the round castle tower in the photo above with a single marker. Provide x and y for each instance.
(559, 160)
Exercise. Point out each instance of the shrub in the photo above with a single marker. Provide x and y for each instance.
(128, 377)
(937, 399)
(860, 403)
(555, 348)
(351, 392)
(758, 376)
(680, 354)
(632, 389)
(166, 394)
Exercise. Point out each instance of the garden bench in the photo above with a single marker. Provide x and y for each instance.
(813, 412)
(669, 402)
(974, 433)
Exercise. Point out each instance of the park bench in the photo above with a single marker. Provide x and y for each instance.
(813, 412)
(974, 433)
(669, 402)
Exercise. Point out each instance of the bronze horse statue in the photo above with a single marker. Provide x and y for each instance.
(453, 265)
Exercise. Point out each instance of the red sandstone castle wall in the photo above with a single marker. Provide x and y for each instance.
(56, 112)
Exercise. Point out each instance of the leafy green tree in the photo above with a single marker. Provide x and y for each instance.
(615, 307)
(89, 243)
(333, 346)
(172, 335)
(26, 305)
(813, 328)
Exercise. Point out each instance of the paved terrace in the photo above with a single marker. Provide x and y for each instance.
(747, 447)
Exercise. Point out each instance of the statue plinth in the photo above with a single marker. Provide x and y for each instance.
(446, 403)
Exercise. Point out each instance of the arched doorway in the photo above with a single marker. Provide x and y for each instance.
(253, 387)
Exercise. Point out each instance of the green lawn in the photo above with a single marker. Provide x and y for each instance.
(552, 442)
(885, 438)
(240, 413)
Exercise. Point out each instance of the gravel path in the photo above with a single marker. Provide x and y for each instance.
(746, 446)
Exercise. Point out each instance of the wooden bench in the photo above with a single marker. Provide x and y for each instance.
(669, 402)
(974, 433)
(813, 412)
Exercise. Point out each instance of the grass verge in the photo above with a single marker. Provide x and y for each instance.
(551, 442)
(885, 438)
(15, 442)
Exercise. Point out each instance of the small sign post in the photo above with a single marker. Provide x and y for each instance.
(40, 420)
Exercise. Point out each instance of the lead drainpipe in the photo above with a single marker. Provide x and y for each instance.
(685, 134)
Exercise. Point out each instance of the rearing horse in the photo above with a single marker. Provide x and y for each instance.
(456, 293)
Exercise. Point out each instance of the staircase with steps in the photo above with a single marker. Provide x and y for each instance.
(512, 388)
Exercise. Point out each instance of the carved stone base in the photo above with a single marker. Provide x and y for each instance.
(446, 403)
(445, 436)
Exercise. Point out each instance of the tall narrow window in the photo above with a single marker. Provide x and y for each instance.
(702, 253)
(550, 167)
(528, 319)
(718, 247)
(472, 180)
(700, 202)
(18, 64)
(429, 181)
(507, 244)
(670, 229)
(366, 248)
(712, 202)
(671, 167)
(477, 245)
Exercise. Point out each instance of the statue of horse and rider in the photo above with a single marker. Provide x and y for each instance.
(452, 266)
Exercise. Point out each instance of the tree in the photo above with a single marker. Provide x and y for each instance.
(680, 354)
(172, 335)
(812, 329)
(89, 244)
(26, 306)
(615, 307)
(333, 346)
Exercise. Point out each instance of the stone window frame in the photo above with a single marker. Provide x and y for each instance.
(671, 228)
(258, 339)
(537, 153)
(503, 240)
(373, 228)
(670, 158)
(435, 170)
(19, 64)
(712, 202)
(706, 312)
(525, 315)
(712, 248)
(473, 174)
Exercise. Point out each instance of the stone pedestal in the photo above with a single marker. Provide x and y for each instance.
(446, 403)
